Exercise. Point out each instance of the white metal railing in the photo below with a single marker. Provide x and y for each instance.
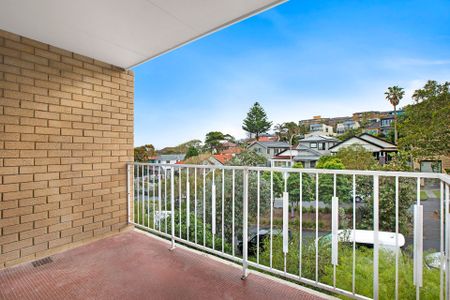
(230, 212)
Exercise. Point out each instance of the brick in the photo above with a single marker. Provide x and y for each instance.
(33, 249)
(17, 178)
(60, 242)
(33, 217)
(14, 212)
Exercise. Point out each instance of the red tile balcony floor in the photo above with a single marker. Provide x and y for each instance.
(133, 265)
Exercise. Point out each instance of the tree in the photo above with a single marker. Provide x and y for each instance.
(356, 157)
(425, 126)
(213, 140)
(143, 153)
(394, 94)
(191, 152)
(247, 158)
(256, 121)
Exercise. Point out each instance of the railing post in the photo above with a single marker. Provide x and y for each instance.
(375, 235)
(172, 206)
(245, 227)
(129, 191)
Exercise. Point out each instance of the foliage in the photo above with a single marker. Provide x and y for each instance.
(182, 148)
(350, 133)
(143, 153)
(191, 152)
(247, 158)
(356, 157)
(290, 132)
(256, 121)
(213, 140)
(425, 128)
(363, 268)
(394, 95)
(330, 162)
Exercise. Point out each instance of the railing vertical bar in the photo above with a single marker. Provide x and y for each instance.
(143, 197)
(165, 201)
(418, 241)
(317, 229)
(354, 235)
(441, 244)
(375, 235)
(204, 207)
(195, 205)
(271, 218)
(128, 192)
(138, 203)
(213, 208)
(285, 223)
(179, 201)
(447, 241)
(300, 226)
(172, 206)
(223, 210)
(188, 204)
(258, 176)
(335, 227)
(396, 237)
(148, 196)
(245, 225)
(232, 211)
(159, 198)
(154, 195)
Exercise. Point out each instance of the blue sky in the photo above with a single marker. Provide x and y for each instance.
(300, 59)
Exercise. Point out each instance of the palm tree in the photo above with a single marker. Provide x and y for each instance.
(394, 94)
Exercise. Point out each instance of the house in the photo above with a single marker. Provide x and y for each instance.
(321, 129)
(220, 159)
(346, 126)
(265, 137)
(373, 128)
(379, 147)
(386, 124)
(308, 151)
(268, 149)
(168, 158)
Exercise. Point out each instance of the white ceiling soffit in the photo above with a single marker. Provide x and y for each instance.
(124, 33)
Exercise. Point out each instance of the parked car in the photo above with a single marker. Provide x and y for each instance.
(386, 240)
(264, 234)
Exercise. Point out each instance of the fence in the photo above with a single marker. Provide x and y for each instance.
(333, 229)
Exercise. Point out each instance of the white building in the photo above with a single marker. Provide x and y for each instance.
(321, 129)
(380, 148)
(346, 126)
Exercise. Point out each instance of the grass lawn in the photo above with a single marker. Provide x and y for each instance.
(423, 196)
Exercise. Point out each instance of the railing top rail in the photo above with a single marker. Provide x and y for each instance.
(444, 177)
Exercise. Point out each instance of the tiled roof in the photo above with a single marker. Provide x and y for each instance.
(223, 158)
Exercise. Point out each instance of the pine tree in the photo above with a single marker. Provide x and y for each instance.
(256, 121)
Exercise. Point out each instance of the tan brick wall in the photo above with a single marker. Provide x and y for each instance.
(66, 133)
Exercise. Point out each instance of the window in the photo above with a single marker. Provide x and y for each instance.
(268, 151)
(321, 146)
(312, 145)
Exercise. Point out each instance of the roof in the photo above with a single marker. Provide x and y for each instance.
(319, 138)
(170, 157)
(123, 33)
(232, 150)
(223, 158)
(369, 139)
(270, 144)
(301, 153)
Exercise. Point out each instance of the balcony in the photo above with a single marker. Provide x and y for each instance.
(360, 234)
(132, 265)
(360, 243)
